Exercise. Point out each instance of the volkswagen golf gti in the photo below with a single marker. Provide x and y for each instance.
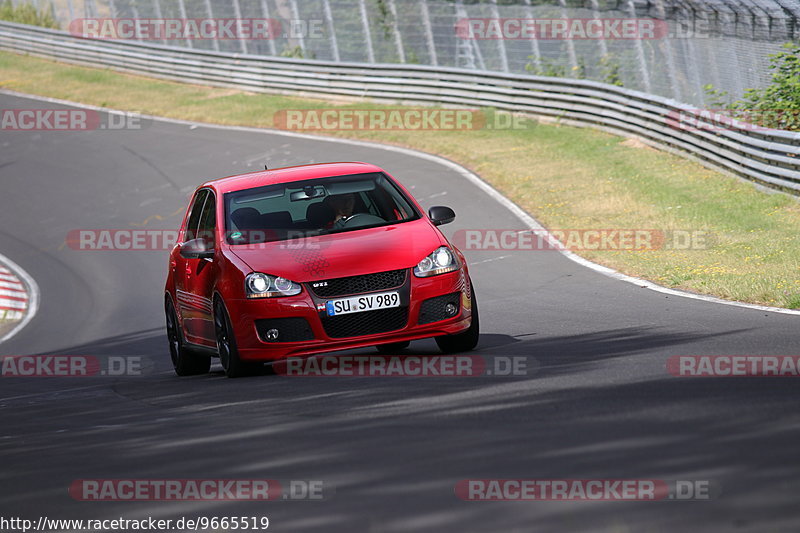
(301, 260)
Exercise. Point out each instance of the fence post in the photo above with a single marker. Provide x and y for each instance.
(537, 55)
(602, 43)
(501, 42)
(271, 40)
(238, 13)
(214, 42)
(398, 39)
(295, 24)
(182, 8)
(426, 22)
(157, 7)
(331, 28)
(573, 58)
(674, 83)
(640, 52)
(367, 35)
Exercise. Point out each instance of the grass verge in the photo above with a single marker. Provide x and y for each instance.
(567, 178)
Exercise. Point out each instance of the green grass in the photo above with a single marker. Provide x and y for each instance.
(568, 178)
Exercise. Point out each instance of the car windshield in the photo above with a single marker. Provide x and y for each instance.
(314, 207)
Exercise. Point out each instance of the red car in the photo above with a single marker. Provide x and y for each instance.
(308, 259)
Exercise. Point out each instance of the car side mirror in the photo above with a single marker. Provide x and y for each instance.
(196, 249)
(440, 214)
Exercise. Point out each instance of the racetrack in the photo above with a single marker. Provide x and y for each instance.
(600, 403)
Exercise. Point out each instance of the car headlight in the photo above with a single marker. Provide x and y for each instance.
(440, 261)
(260, 285)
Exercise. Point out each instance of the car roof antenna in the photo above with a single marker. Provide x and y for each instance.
(265, 167)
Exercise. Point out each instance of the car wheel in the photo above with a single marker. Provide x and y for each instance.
(226, 346)
(466, 341)
(392, 347)
(185, 361)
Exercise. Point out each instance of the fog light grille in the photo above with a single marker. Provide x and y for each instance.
(435, 309)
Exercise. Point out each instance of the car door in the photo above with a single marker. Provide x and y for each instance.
(187, 305)
(201, 277)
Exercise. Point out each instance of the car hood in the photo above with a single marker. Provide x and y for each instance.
(345, 254)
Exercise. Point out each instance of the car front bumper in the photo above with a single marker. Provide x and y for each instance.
(303, 320)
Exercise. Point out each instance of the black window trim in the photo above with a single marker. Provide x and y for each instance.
(211, 193)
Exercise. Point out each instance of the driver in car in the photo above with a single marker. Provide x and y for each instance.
(342, 205)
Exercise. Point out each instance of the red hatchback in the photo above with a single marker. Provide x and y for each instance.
(308, 259)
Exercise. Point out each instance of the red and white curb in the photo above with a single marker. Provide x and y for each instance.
(19, 296)
(13, 296)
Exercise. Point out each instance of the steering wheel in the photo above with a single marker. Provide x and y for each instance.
(360, 219)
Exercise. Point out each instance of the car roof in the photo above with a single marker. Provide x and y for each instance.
(287, 175)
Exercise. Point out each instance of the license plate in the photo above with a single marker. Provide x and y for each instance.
(357, 304)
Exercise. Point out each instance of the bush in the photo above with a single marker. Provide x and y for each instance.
(28, 14)
(775, 106)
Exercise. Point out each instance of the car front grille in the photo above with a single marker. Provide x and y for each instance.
(365, 323)
(358, 284)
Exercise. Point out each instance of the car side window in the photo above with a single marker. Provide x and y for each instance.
(208, 221)
(194, 215)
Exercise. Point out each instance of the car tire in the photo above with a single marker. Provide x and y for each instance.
(466, 341)
(185, 361)
(226, 345)
(392, 348)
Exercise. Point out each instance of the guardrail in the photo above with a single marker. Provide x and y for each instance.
(769, 157)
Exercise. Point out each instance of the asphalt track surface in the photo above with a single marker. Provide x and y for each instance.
(597, 402)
